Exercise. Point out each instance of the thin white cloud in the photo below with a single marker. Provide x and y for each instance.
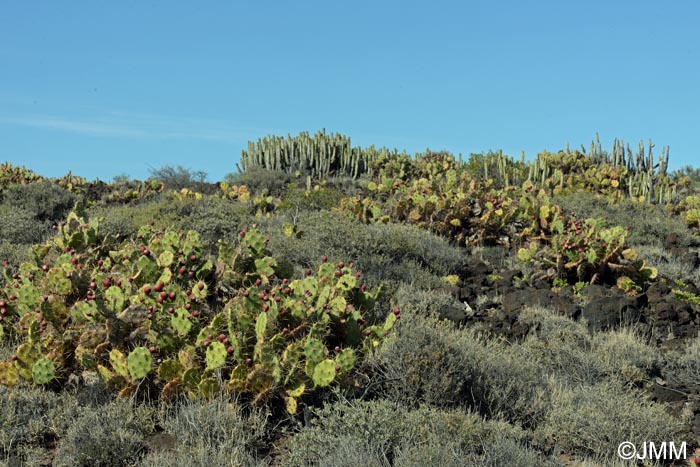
(132, 125)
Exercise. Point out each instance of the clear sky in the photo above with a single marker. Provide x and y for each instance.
(107, 88)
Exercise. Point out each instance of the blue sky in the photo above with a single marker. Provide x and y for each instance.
(105, 88)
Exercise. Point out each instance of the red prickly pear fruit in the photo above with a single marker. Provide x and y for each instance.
(195, 314)
(152, 349)
(341, 265)
(188, 306)
(248, 361)
(229, 350)
(337, 368)
(368, 332)
(163, 295)
(324, 259)
(258, 282)
(172, 295)
(106, 282)
(397, 310)
(221, 337)
(337, 349)
(338, 273)
(200, 286)
(351, 265)
(307, 272)
(245, 293)
(210, 337)
(241, 234)
(193, 258)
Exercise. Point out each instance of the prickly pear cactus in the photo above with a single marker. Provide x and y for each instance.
(157, 308)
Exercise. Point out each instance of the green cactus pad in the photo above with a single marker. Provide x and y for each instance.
(324, 373)
(8, 374)
(28, 298)
(139, 362)
(291, 405)
(265, 266)
(43, 371)
(204, 270)
(57, 283)
(209, 387)
(216, 355)
(165, 259)
(346, 359)
(200, 293)
(338, 306)
(191, 378)
(390, 322)
(119, 362)
(114, 299)
(180, 322)
(254, 241)
(346, 282)
(326, 271)
(165, 277)
(170, 370)
(261, 326)
(314, 351)
(297, 391)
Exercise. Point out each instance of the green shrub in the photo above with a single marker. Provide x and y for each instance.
(177, 178)
(437, 363)
(44, 200)
(25, 421)
(379, 432)
(260, 181)
(14, 253)
(20, 226)
(211, 433)
(561, 346)
(684, 367)
(109, 436)
(317, 199)
(648, 224)
(594, 420)
(669, 264)
(626, 354)
(217, 218)
(385, 254)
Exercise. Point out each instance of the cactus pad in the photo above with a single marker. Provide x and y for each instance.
(8, 374)
(43, 371)
(216, 355)
(139, 362)
(119, 362)
(324, 373)
(346, 359)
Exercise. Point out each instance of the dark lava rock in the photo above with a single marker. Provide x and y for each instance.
(516, 299)
(610, 312)
(473, 266)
